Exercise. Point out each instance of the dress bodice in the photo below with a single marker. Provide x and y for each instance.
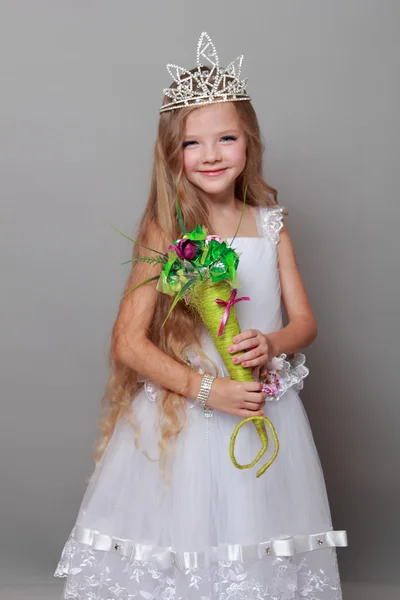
(258, 276)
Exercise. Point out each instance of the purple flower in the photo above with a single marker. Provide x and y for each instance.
(185, 249)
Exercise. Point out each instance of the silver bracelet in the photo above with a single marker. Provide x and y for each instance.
(204, 391)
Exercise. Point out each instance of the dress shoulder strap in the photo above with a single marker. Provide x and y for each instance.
(270, 221)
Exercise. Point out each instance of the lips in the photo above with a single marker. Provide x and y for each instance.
(213, 173)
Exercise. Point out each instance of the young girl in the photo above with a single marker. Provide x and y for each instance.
(166, 514)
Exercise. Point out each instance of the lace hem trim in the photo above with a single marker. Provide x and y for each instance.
(164, 558)
(271, 222)
(93, 575)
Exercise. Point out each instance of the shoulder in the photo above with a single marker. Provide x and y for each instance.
(271, 220)
(151, 235)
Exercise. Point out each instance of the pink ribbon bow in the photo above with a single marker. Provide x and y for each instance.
(232, 300)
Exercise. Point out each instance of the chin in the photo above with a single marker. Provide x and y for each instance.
(214, 187)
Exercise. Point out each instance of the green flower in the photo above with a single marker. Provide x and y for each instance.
(221, 260)
(172, 283)
(198, 234)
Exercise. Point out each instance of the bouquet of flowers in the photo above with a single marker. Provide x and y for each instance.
(202, 270)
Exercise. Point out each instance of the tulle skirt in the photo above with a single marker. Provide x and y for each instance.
(204, 529)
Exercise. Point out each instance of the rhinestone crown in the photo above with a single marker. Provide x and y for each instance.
(209, 83)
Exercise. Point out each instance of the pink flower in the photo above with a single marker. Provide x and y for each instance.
(213, 237)
(270, 390)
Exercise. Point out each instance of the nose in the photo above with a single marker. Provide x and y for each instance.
(211, 153)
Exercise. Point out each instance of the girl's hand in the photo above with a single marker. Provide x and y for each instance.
(257, 346)
(243, 399)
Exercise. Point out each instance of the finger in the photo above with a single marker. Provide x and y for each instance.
(254, 406)
(257, 397)
(250, 355)
(257, 353)
(256, 362)
(244, 413)
(249, 336)
(244, 335)
(252, 386)
(247, 344)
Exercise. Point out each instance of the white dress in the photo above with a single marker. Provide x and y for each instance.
(213, 532)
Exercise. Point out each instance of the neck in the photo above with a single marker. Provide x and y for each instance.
(225, 201)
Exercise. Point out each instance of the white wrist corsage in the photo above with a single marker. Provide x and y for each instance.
(282, 373)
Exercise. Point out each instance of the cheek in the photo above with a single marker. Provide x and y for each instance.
(236, 154)
(189, 161)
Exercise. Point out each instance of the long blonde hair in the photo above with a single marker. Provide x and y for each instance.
(181, 329)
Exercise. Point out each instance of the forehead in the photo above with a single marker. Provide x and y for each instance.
(221, 117)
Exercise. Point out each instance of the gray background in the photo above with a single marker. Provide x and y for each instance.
(81, 85)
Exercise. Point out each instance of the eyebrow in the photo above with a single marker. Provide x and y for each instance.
(220, 133)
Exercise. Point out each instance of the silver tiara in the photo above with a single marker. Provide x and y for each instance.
(212, 82)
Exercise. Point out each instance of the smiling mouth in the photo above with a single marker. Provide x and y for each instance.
(214, 172)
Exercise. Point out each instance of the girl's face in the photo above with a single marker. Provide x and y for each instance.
(214, 148)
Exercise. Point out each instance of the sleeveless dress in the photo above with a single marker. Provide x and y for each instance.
(211, 531)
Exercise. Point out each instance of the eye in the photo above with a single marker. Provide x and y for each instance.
(189, 143)
(229, 138)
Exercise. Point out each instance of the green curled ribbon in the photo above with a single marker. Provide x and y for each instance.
(261, 430)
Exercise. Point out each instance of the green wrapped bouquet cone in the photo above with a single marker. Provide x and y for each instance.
(214, 303)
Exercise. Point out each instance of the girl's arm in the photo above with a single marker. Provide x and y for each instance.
(301, 330)
(132, 347)
(130, 344)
